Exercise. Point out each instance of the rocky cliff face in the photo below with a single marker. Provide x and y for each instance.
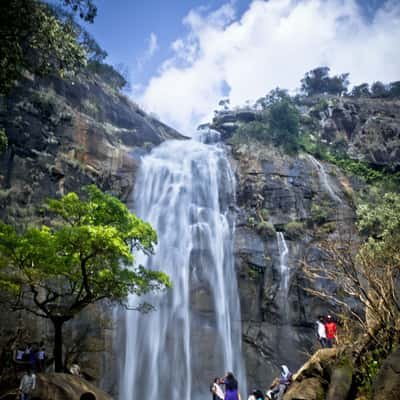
(279, 193)
(307, 201)
(67, 133)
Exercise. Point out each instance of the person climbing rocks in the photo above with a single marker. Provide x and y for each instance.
(27, 384)
(330, 328)
(216, 390)
(231, 387)
(321, 331)
(279, 386)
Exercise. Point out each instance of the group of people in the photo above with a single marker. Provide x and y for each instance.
(326, 331)
(226, 388)
(32, 353)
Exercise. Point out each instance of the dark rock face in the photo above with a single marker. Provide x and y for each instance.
(387, 382)
(277, 190)
(64, 134)
(368, 129)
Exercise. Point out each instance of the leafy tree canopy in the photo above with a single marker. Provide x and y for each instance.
(318, 81)
(83, 257)
(33, 39)
(42, 39)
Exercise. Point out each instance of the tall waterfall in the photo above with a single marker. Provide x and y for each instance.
(186, 190)
(324, 179)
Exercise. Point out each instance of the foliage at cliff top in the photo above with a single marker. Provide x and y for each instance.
(278, 124)
(41, 39)
(82, 257)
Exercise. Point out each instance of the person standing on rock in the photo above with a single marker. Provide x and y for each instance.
(330, 327)
(27, 385)
(231, 387)
(321, 331)
(216, 390)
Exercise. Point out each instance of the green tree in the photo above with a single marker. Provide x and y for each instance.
(35, 40)
(361, 90)
(283, 119)
(394, 89)
(318, 81)
(83, 257)
(378, 89)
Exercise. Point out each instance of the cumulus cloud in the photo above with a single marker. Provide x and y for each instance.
(152, 47)
(272, 44)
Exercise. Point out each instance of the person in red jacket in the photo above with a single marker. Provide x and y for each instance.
(330, 328)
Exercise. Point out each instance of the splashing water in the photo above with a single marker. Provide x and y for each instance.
(185, 190)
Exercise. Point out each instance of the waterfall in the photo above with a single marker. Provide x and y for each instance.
(185, 190)
(285, 275)
(324, 179)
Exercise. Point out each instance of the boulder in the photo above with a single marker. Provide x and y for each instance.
(57, 386)
(387, 382)
(308, 389)
(340, 383)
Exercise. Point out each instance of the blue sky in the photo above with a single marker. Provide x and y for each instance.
(123, 29)
(184, 55)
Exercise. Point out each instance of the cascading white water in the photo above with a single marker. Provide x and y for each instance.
(185, 189)
(285, 275)
(324, 179)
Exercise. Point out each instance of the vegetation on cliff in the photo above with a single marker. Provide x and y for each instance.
(79, 258)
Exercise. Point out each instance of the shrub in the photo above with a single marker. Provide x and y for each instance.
(264, 214)
(319, 214)
(328, 227)
(254, 129)
(294, 229)
(266, 229)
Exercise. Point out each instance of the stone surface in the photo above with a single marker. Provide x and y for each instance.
(340, 383)
(308, 389)
(64, 387)
(387, 382)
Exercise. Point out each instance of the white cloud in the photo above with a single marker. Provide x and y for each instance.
(152, 47)
(272, 44)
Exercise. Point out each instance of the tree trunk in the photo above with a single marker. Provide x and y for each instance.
(58, 343)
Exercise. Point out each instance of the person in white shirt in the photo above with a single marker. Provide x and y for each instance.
(27, 385)
(321, 331)
(216, 390)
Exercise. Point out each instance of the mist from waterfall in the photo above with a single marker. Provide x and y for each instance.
(324, 179)
(186, 191)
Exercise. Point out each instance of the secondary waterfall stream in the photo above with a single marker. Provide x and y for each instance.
(285, 274)
(186, 191)
(324, 179)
